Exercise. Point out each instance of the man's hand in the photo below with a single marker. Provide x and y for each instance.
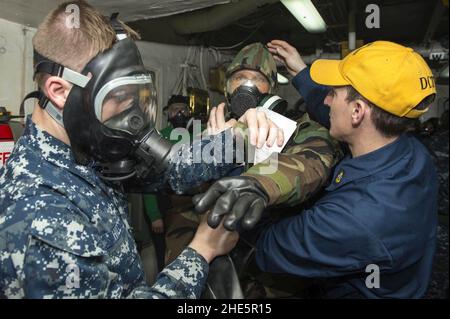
(158, 226)
(210, 242)
(287, 54)
(261, 129)
(239, 199)
(216, 122)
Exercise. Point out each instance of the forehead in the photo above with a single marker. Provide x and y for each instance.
(250, 74)
(339, 89)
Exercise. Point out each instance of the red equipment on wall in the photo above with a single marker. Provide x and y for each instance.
(6, 136)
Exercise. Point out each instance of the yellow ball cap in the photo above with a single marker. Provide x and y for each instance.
(391, 76)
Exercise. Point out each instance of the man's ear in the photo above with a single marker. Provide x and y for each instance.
(359, 109)
(57, 90)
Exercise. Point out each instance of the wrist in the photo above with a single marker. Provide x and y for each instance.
(268, 188)
(300, 67)
(202, 250)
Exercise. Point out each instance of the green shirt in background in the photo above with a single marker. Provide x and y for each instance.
(150, 200)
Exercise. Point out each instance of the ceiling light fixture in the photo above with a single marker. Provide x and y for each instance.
(282, 79)
(306, 13)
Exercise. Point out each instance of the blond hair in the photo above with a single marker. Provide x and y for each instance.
(74, 47)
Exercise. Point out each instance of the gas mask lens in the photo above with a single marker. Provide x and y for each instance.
(245, 78)
(128, 101)
(244, 95)
(233, 84)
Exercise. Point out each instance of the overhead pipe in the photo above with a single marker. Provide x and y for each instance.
(426, 52)
(352, 26)
(215, 18)
(309, 59)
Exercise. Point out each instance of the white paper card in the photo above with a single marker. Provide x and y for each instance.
(289, 126)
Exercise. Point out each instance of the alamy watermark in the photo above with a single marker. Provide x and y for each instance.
(373, 19)
(73, 16)
(73, 276)
(226, 147)
(373, 279)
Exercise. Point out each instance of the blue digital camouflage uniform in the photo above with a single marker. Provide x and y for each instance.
(64, 232)
(193, 163)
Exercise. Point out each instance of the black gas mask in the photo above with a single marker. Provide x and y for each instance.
(110, 112)
(179, 120)
(248, 96)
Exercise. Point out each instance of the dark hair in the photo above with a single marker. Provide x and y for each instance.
(386, 123)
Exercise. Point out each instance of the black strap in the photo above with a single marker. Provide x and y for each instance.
(37, 57)
(43, 101)
(117, 26)
(34, 95)
(42, 65)
(45, 65)
(49, 67)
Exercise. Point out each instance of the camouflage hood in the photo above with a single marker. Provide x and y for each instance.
(256, 57)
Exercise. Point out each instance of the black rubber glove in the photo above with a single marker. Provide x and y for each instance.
(237, 199)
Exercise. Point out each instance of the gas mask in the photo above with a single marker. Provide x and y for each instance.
(110, 112)
(248, 96)
(179, 120)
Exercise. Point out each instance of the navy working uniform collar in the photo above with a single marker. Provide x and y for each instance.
(351, 169)
(56, 152)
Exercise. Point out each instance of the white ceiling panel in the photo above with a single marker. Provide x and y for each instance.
(132, 10)
(31, 12)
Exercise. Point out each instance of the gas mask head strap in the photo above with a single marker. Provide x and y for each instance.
(118, 27)
(47, 66)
